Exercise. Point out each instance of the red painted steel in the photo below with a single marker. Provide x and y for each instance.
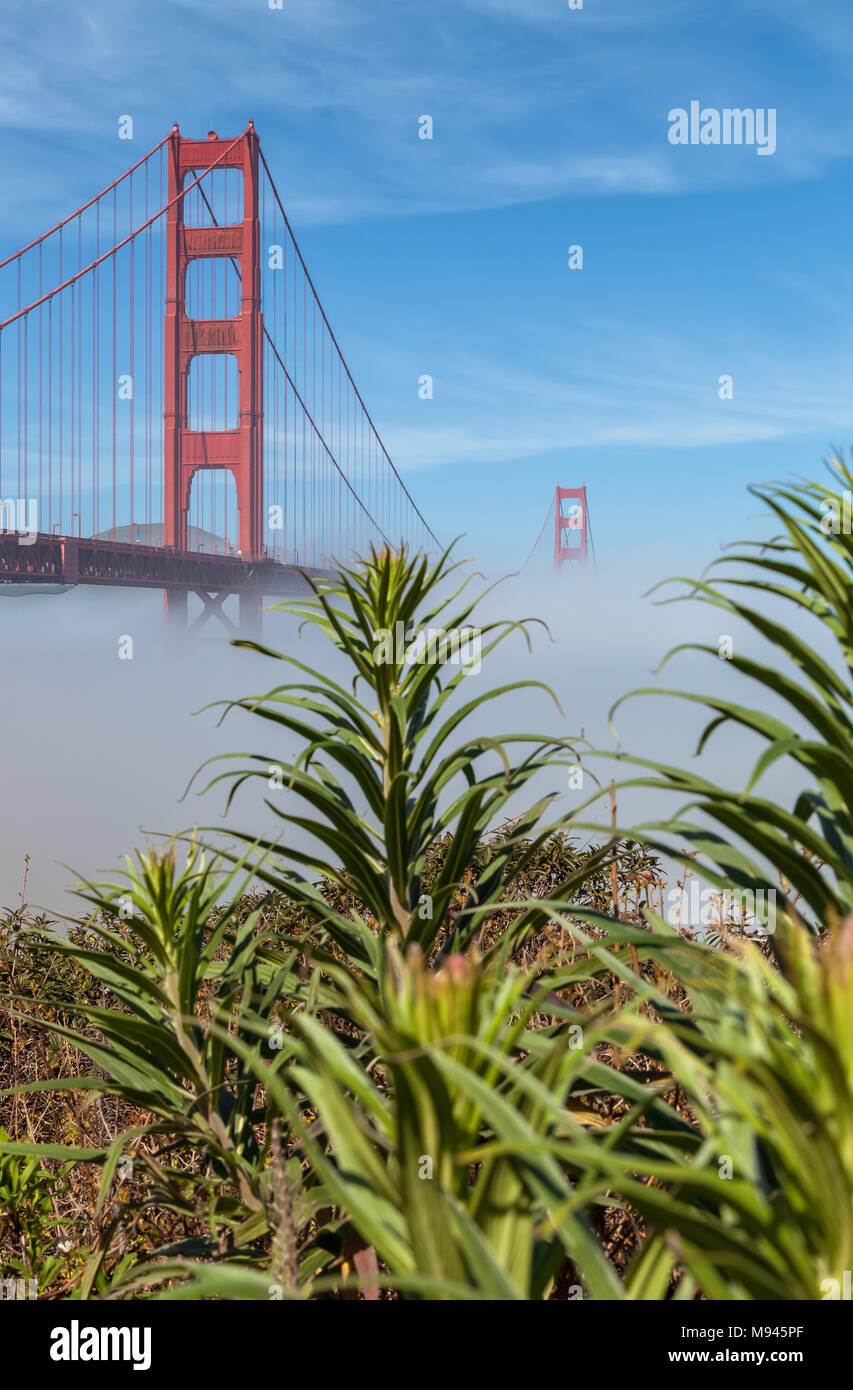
(81, 309)
(188, 452)
(128, 173)
(81, 560)
(575, 519)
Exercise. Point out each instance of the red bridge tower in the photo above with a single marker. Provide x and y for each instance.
(571, 518)
(240, 450)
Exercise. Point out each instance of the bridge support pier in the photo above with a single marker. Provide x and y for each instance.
(175, 607)
(250, 600)
(213, 609)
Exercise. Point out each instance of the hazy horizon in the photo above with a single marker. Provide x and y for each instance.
(105, 747)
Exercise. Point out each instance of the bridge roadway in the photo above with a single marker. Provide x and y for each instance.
(70, 560)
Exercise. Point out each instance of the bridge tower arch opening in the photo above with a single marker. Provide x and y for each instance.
(213, 515)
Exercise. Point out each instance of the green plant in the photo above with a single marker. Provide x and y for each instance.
(28, 1237)
(381, 780)
(807, 570)
(765, 1052)
(449, 1055)
(763, 1056)
(197, 987)
(433, 1114)
(174, 962)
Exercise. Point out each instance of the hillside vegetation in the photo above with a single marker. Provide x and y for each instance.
(453, 1051)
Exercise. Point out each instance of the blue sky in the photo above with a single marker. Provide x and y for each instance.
(450, 256)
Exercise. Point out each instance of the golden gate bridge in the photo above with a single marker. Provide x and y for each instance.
(572, 540)
(175, 409)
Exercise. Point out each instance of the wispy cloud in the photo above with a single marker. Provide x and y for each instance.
(486, 412)
(531, 101)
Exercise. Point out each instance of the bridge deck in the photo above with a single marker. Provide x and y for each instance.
(70, 560)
